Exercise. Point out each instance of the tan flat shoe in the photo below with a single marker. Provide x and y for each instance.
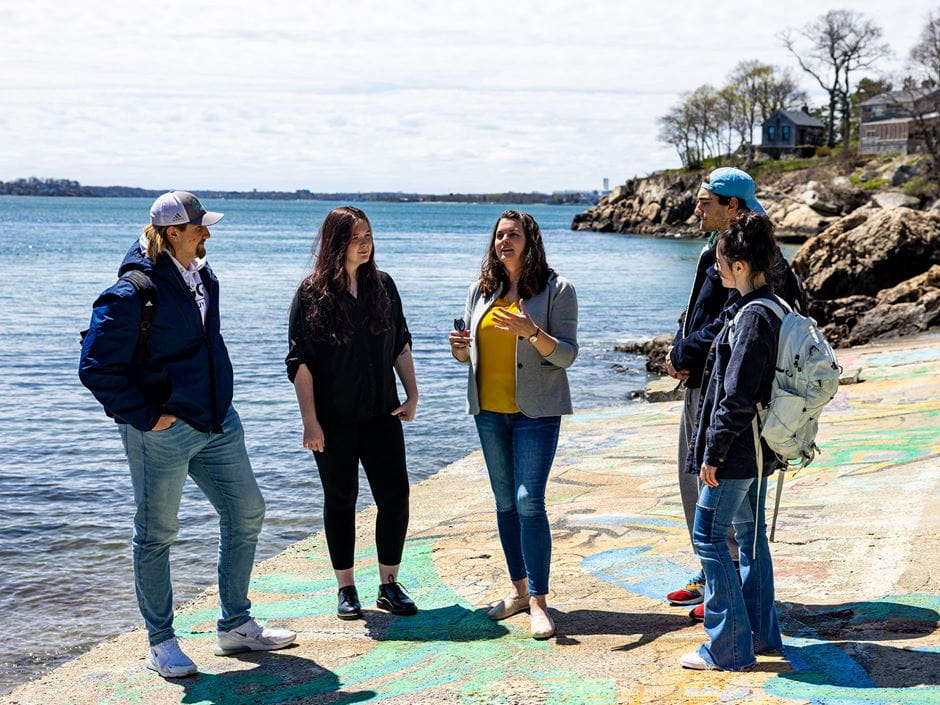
(541, 625)
(507, 607)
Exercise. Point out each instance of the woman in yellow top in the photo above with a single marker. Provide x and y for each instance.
(519, 336)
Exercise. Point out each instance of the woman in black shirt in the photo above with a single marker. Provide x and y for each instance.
(347, 334)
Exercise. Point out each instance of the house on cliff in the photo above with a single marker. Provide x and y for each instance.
(791, 132)
(888, 124)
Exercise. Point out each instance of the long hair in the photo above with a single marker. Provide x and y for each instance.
(494, 279)
(750, 238)
(157, 240)
(324, 290)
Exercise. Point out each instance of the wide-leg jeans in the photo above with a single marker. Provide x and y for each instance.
(159, 464)
(740, 618)
(519, 451)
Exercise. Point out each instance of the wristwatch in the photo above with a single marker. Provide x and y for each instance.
(535, 335)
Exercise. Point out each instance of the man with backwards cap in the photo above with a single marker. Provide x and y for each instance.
(725, 193)
(173, 406)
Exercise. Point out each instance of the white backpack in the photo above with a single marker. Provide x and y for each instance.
(806, 379)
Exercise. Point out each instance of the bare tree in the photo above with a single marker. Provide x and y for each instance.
(836, 45)
(920, 99)
(761, 89)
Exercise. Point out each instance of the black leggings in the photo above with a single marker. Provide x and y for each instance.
(380, 445)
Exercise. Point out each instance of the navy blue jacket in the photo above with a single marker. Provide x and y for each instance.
(702, 320)
(187, 371)
(737, 379)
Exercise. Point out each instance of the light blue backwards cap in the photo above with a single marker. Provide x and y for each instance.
(728, 181)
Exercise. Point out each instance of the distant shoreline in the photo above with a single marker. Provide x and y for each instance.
(69, 188)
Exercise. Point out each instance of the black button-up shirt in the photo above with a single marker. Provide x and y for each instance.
(355, 380)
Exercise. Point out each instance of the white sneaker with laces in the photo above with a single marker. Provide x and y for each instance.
(694, 661)
(168, 659)
(251, 636)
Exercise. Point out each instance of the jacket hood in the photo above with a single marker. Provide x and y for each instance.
(136, 258)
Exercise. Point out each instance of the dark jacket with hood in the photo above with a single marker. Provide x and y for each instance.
(737, 378)
(186, 371)
(701, 321)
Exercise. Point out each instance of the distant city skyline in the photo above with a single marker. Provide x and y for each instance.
(403, 96)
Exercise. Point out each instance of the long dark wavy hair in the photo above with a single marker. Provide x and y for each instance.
(494, 279)
(324, 291)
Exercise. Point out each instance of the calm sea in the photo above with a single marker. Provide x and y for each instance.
(65, 498)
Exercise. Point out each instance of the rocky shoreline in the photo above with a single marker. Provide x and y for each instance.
(802, 203)
(870, 260)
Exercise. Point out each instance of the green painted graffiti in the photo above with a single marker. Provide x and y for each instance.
(448, 643)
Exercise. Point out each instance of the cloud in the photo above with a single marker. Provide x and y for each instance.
(421, 96)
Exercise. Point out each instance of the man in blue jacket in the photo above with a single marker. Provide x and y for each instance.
(725, 193)
(173, 406)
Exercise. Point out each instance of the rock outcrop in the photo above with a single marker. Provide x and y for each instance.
(873, 274)
(661, 203)
(801, 203)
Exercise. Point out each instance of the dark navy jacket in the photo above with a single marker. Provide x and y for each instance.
(187, 371)
(702, 319)
(737, 378)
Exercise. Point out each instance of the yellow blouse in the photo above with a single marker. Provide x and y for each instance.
(496, 368)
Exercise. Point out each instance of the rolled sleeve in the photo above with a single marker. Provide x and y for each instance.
(298, 352)
(402, 334)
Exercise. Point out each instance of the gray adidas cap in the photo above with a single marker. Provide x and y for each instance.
(180, 208)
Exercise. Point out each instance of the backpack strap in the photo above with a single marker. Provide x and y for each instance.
(778, 306)
(148, 309)
(759, 454)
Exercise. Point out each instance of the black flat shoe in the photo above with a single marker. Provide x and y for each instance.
(349, 607)
(392, 598)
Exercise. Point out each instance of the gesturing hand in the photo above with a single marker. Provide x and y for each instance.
(515, 323)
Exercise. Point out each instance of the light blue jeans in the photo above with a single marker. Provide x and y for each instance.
(218, 463)
(519, 452)
(740, 618)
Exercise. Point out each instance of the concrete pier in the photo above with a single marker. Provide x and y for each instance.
(856, 561)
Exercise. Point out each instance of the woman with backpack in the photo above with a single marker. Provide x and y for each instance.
(348, 339)
(517, 336)
(740, 618)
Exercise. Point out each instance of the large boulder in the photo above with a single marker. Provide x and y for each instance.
(868, 251)
(874, 273)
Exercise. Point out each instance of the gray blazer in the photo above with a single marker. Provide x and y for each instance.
(541, 382)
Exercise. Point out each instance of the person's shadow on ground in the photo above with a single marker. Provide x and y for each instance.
(451, 623)
(842, 652)
(645, 626)
(278, 678)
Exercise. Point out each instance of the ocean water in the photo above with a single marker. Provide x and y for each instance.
(66, 504)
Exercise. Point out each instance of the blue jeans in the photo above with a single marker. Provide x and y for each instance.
(740, 618)
(519, 452)
(218, 463)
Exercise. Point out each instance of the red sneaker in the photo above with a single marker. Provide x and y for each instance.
(691, 594)
(697, 613)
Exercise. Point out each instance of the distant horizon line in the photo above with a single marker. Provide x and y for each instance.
(34, 186)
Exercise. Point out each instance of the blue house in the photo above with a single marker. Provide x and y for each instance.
(792, 132)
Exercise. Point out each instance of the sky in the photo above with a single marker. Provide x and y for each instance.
(431, 97)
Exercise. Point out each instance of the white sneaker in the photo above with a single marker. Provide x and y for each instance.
(694, 661)
(168, 659)
(251, 636)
